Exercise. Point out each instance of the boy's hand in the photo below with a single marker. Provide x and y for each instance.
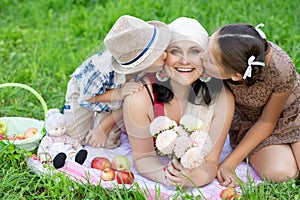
(96, 138)
(129, 88)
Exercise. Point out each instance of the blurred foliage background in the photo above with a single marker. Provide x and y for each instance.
(43, 42)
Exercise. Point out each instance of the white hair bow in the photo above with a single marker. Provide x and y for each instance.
(259, 31)
(251, 62)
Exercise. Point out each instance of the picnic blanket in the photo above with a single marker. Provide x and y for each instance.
(84, 173)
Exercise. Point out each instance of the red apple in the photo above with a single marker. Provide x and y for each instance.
(30, 132)
(11, 137)
(3, 128)
(229, 194)
(124, 177)
(120, 163)
(35, 157)
(20, 137)
(108, 174)
(2, 137)
(100, 163)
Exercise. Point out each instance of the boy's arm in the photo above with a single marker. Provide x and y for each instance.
(107, 96)
(117, 94)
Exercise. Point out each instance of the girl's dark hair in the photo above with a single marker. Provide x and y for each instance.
(200, 92)
(237, 43)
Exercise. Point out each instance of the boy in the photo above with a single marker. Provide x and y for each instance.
(98, 87)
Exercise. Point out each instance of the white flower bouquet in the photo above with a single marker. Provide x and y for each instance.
(186, 142)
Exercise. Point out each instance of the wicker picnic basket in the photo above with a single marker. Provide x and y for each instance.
(21, 124)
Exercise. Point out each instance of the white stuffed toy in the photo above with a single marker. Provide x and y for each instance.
(56, 146)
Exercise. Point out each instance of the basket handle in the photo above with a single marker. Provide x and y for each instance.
(36, 94)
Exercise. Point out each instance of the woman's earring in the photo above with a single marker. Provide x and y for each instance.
(162, 75)
(205, 79)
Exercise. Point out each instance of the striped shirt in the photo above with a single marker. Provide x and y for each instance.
(94, 76)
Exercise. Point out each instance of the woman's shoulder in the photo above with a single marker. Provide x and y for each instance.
(139, 104)
(141, 97)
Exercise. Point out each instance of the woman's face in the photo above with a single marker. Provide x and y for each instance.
(211, 64)
(183, 63)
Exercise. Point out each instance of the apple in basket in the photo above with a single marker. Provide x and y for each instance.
(2, 137)
(30, 132)
(20, 137)
(100, 163)
(16, 137)
(124, 177)
(3, 128)
(108, 174)
(120, 163)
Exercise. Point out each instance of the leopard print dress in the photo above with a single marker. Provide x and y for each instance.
(281, 75)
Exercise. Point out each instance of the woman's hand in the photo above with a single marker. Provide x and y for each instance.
(226, 177)
(176, 174)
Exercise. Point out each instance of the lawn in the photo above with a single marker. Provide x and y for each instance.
(43, 42)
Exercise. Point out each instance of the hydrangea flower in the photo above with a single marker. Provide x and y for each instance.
(182, 144)
(160, 124)
(192, 158)
(202, 140)
(180, 131)
(186, 142)
(165, 141)
(191, 123)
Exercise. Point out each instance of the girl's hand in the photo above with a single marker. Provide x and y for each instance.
(226, 177)
(176, 174)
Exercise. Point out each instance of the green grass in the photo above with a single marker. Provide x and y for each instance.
(43, 42)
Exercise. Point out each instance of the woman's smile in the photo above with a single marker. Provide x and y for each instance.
(185, 70)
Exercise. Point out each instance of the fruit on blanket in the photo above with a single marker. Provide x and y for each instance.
(229, 194)
(120, 163)
(124, 177)
(35, 157)
(30, 132)
(3, 128)
(100, 163)
(108, 174)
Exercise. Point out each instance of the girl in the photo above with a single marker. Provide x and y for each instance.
(266, 87)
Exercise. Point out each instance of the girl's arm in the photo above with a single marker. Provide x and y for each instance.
(263, 127)
(136, 111)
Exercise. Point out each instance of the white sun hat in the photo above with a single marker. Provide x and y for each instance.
(135, 44)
